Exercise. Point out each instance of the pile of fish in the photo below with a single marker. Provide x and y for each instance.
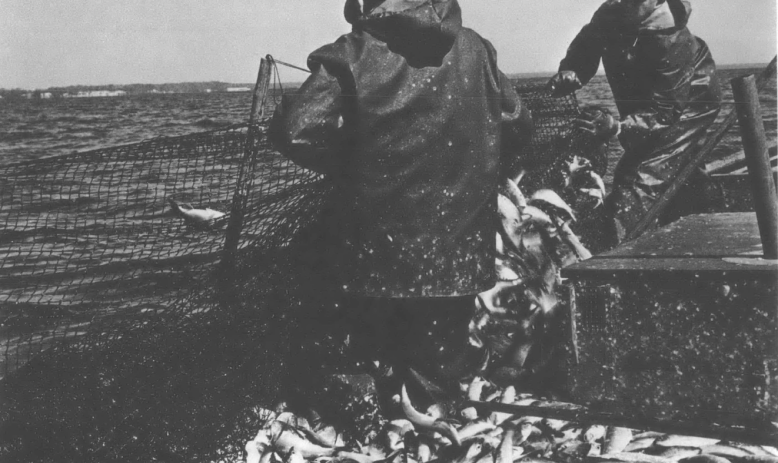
(420, 437)
(534, 242)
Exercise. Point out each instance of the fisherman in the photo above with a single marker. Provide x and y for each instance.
(413, 120)
(664, 82)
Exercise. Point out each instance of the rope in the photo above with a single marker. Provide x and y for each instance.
(289, 65)
(277, 77)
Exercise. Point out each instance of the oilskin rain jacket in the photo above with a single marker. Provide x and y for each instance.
(664, 82)
(412, 118)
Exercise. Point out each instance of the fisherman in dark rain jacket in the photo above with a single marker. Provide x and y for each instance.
(414, 121)
(664, 82)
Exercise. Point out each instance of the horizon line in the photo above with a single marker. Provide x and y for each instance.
(524, 73)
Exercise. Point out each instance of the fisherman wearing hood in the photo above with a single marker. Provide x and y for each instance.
(664, 82)
(413, 120)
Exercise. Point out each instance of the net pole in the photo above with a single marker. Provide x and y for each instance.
(691, 161)
(759, 170)
(237, 211)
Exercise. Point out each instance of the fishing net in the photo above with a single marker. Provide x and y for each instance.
(127, 332)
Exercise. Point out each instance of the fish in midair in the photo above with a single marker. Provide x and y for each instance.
(597, 190)
(548, 199)
(195, 216)
(581, 176)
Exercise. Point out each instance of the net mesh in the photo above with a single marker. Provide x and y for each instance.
(123, 332)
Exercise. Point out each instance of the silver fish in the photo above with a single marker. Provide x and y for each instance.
(594, 433)
(424, 422)
(194, 215)
(677, 453)
(725, 451)
(550, 197)
(505, 454)
(672, 440)
(616, 439)
(633, 457)
(285, 439)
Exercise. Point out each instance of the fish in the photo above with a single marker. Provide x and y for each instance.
(436, 411)
(525, 430)
(476, 388)
(550, 197)
(595, 193)
(475, 428)
(395, 432)
(725, 451)
(569, 237)
(474, 391)
(499, 246)
(295, 457)
(195, 216)
(770, 450)
(676, 453)
(616, 439)
(267, 456)
(254, 450)
(507, 397)
(704, 459)
(672, 440)
(511, 220)
(533, 215)
(470, 454)
(598, 181)
(576, 164)
(574, 450)
(285, 439)
(594, 433)
(357, 457)
(513, 192)
(505, 454)
(326, 436)
(632, 457)
(755, 459)
(424, 422)
(755, 449)
(568, 433)
(424, 451)
(640, 443)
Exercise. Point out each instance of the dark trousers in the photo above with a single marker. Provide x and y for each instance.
(415, 337)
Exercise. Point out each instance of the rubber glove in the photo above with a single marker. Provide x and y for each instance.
(564, 83)
(598, 122)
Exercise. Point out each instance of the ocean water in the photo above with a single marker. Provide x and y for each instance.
(32, 129)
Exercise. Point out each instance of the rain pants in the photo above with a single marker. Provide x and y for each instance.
(664, 82)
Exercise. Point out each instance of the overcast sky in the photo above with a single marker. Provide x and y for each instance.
(47, 43)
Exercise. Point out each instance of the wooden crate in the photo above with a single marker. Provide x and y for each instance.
(680, 324)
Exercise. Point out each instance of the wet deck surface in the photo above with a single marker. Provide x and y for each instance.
(705, 245)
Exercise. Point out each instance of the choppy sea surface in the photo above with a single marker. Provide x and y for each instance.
(32, 129)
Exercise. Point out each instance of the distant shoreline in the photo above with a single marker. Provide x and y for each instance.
(221, 87)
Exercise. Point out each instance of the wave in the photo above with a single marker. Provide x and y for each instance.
(210, 123)
(21, 135)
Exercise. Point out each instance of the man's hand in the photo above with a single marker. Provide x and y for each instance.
(600, 123)
(564, 83)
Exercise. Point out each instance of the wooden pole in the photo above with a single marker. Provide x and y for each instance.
(759, 171)
(239, 199)
(692, 162)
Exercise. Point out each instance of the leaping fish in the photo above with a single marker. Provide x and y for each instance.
(195, 216)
